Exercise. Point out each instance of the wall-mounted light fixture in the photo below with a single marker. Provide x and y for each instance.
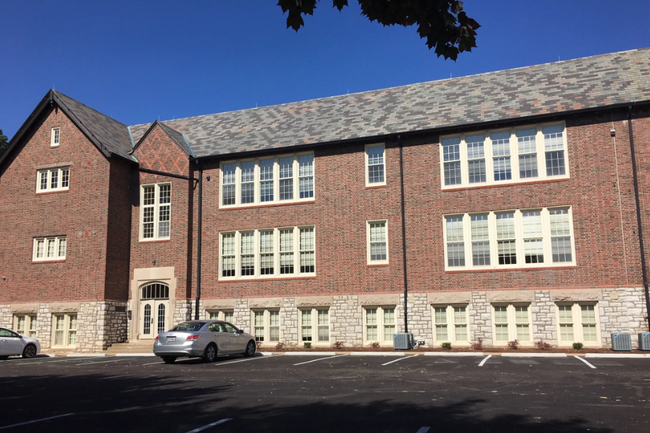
(4, 278)
(612, 132)
(153, 262)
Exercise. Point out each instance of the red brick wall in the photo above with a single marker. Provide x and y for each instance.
(158, 152)
(80, 214)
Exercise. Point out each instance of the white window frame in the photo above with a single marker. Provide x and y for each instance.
(513, 154)
(315, 326)
(51, 248)
(575, 319)
(157, 206)
(55, 137)
(68, 332)
(547, 237)
(268, 327)
(369, 243)
(302, 253)
(451, 324)
(26, 324)
(45, 178)
(514, 323)
(224, 315)
(382, 163)
(307, 176)
(382, 327)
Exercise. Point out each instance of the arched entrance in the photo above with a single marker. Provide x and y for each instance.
(154, 310)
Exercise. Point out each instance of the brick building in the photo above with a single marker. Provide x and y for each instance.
(503, 206)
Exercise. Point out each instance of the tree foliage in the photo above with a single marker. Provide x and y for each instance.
(4, 143)
(443, 23)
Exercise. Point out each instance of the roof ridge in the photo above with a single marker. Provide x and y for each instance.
(88, 107)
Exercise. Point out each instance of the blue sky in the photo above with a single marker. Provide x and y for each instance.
(141, 60)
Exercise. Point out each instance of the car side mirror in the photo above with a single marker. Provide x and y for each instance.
(239, 332)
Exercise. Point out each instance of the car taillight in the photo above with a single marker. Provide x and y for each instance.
(192, 337)
(156, 338)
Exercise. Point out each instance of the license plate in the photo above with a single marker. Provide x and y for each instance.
(171, 338)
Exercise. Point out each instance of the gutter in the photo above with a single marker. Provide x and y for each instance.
(404, 261)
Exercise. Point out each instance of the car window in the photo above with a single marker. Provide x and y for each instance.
(215, 327)
(229, 327)
(188, 326)
(7, 333)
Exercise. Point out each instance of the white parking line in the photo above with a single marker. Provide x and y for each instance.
(399, 359)
(239, 360)
(484, 360)
(36, 420)
(319, 359)
(585, 361)
(103, 362)
(221, 421)
(423, 430)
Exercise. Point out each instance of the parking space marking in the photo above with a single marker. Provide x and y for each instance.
(239, 360)
(423, 430)
(36, 420)
(319, 359)
(221, 421)
(482, 363)
(399, 359)
(104, 362)
(585, 361)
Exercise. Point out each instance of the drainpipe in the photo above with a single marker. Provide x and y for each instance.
(638, 214)
(198, 247)
(401, 178)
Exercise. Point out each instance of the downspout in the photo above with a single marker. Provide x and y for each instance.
(638, 214)
(198, 246)
(401, 178)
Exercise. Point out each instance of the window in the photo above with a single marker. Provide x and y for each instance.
(25, 324)
(377, 236)
(55, 137)
(65, 330)
(375, 165)
(578, 322)
(315, 325)
(53, 179)
(50, 248)
(510, 239)
(155, 211)
(226, 316)
(450, 323)
(283, 179)
(379, 324)
(512, 322)
(283, 252)
(535, 152)
(266, 325)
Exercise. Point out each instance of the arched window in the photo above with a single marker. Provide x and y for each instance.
(155, 291)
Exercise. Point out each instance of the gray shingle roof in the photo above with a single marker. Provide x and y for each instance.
(585, 83)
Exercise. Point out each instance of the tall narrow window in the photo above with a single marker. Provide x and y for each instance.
(306, 325)
(561, 235)
(247, 182)
(527, 152)
(476, 158)
(306, 176)
(323, 326)
(307, 256)
(247, 253)
(480, 240)
(506, 238)
(554, 148)
(451, 158)
(501, 156)
(64, 330)
(377, 242)
(389, 323)
(155, 212)
(375, 168)
(533, 246)
(286, 178)
(266, 180)
(267, 258)
(565, 314)
(228, 255)
(228, 184)
(55, 137)
(455, 241)
(588, 316)
(286, 251)
(523, 323)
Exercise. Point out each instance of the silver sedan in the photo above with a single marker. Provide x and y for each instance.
(12, 343)
(203, 339)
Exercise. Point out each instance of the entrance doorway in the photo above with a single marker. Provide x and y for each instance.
(154, 310)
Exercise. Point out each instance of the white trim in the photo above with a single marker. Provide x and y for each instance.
(380, 325)
(382, 163)
(50, 248)
(68, 330)
(450, 324)
(577, 323)
(55, 137)
(29, 326)
(157, 215)
(314, 326)
(266, 334)
(53, 179)
(237, 178)
(369, 259)
(512, 154)
(511, 324)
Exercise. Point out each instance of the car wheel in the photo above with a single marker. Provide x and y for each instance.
(210, 353)
(250, 349)
(29, 351)
(168, 359)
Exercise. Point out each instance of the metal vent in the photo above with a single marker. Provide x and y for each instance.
(622, 341)
(644, 340)
(403, 341)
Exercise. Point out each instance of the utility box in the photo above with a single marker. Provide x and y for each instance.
(622, 341)
(403, 341)
(644, 340)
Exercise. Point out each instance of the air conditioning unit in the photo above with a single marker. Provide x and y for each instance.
(622, 341)
(644, 340)
(403, 341)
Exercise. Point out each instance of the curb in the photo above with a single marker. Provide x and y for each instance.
(309, 353)
(87, 355)
(452, 354)
(377, 353)
(615, 355)
(135, 354)
(533, 355)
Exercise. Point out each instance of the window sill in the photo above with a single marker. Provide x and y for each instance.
(545, 268)
(258, 205)
(265, 279)
(455, 188)
(38, 262)
(377, 265)
(379, 185)
(56, 191)
(154, 241)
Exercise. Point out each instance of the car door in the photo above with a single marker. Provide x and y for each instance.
(219, 337)
(237, 342)
(10, 343)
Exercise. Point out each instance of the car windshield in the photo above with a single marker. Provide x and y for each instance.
(188, 326)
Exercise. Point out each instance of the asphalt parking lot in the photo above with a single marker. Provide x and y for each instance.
(335, 393)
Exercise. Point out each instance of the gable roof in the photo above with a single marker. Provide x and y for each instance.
(108, 135)
(572, 85)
